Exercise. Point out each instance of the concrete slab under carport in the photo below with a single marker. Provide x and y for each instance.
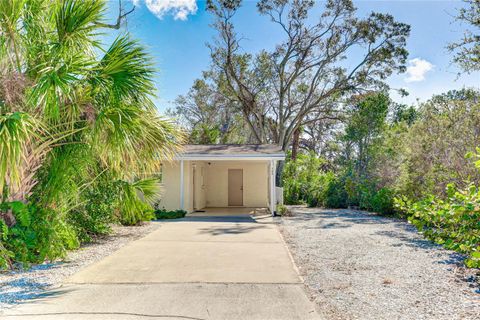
(226, 212)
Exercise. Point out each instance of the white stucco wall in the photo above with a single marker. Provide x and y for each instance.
(255, 183)
(171, 185)
(200, 184)
(212, 184)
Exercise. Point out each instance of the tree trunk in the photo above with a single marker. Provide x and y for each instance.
(295, 143)
(8, 218)
(279, 173)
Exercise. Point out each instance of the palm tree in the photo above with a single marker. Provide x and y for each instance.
(71, 109)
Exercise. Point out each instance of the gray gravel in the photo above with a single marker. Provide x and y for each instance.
(18, 286)
(358, 265)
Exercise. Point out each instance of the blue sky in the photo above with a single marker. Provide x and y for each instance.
(176, 32)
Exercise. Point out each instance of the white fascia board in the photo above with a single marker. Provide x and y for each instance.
(227, 157)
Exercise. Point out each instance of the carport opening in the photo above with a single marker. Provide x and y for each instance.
(227, 185)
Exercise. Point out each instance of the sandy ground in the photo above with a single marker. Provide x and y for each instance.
(361, 266)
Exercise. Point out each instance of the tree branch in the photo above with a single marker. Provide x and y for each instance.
(120, 18)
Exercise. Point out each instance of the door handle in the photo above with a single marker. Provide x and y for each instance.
(241, 188)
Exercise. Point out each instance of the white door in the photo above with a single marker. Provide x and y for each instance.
(235, 187)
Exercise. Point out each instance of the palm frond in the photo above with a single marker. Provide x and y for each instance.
(76, 23)
(125, 71)
(74, 111)
(10, 15)
(133, 208)
(150, 188)
(57, 83)
(16, 132)
(24, 145)
(131, 140)
(67, 168)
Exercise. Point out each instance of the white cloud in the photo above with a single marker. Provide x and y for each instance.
(417, 69)
(179, 9)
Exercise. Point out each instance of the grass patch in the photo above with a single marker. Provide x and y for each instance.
(165, 214)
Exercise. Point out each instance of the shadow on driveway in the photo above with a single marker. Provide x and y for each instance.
(229, 219)
(235, 229)
(20, 291)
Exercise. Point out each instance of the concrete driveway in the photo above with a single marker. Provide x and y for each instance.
(194, 268)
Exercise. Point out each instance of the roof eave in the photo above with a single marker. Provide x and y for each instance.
(226, 157)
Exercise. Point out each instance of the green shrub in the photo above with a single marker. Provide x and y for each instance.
(43, 233)
(336, 195)
(301, 177)
(368, 197)
(39, 234)
(383, 202)
(362, 196)
(99, 211)
(317, 191)
(283, 210)
(133, 205)
(345, 191)
(306, 182)
(135, 212)
(5, 255)
(166, 214)
(453, 222)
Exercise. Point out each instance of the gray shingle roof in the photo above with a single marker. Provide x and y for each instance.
(232, 149)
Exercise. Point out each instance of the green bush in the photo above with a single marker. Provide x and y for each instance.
(39, 234)
(306, 182)
(300, 177)
(166, 214)
(99, 211)
(5, 255)
(453, 222)
(383, 201)
(135, 212)
(336, 195)
(44, 233)
(133, 207)
(366, 196)
(333, 190)
(344, 191)
(283, 210)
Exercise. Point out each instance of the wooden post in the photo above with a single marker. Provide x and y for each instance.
(273, 202)
(182, 196)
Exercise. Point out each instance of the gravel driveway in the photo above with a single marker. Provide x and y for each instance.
(360, 266)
